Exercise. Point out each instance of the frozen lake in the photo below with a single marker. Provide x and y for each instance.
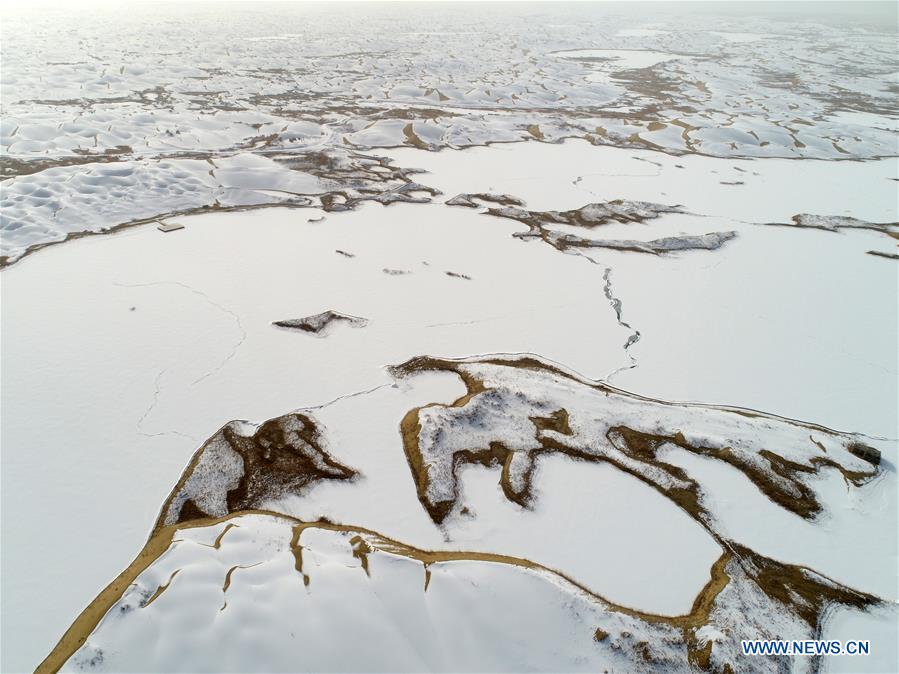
(554, 337)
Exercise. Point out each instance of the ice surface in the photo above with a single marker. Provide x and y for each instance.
(592, 528)
(199, 349)
(806, 293)
(224, 318)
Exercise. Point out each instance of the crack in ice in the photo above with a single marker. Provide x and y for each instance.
(213, 303)
(634, 337)
(346, 396)
(152, 406)
(161, 433)
(155, 399)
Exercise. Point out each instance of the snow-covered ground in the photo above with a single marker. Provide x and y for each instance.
(776, 304)
(188, 315)
(208, 595)
(108, 305)
(615, 397)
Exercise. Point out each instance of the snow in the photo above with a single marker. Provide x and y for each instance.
(814, 288)
(598, 420)
(288, 145)
(320, 324)
(473, 615)
(772, 190)
(849, 544)
(76, 98)
(225, 361)
(51, 205)
(270, 595)
(640, 32)
(199, 350)
(577, 527)
(878, 626)
(622, 59)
